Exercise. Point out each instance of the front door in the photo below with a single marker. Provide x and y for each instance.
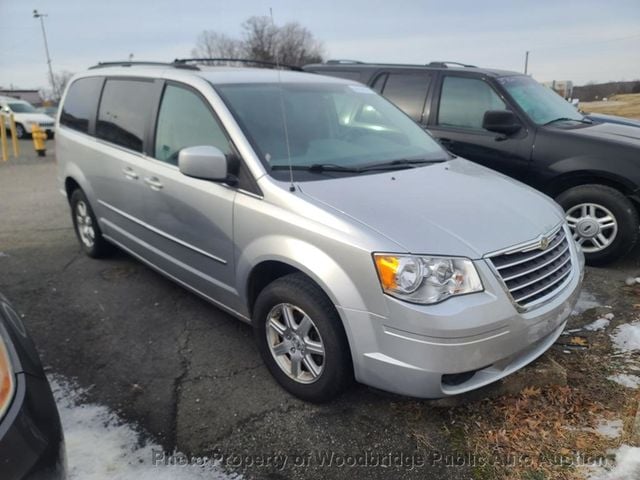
(190, 221)
(456, 121)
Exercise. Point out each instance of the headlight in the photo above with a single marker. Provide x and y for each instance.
(422, 279)
(7, 382)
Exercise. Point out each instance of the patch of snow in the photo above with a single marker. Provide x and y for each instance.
(626, 337)
(100, 445)
(610, 428)
(585, 301)
(599, 324)
(627, 466)
(630, 381)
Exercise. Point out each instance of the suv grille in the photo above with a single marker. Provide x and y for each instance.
(534, 273)
(46, 124)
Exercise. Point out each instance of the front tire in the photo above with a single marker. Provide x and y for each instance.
(20, 131)
(603, 221)
(86, 227)
(301, 339)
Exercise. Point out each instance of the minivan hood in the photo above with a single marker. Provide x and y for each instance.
(450, 208)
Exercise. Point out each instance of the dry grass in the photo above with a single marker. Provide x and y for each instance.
(624, 105)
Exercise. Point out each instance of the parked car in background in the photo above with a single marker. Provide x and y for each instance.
(26, 116)
(509, 122)
(314, 209)
(31, 438)
(603, 118)
(52, 110)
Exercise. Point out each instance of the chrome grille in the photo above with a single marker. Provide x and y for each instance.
(534, 273)
(46, 124)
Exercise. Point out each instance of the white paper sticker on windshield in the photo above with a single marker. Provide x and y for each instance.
(360, 89)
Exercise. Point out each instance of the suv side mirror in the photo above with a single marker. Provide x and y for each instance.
(205, 162)
(501, 121)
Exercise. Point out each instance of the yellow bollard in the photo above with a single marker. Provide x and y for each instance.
(3, 138)
(39, 138)
(14, 136)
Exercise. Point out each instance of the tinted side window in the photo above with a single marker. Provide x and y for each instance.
(80, 103)
(124, 110)
(185, 120)
(408, 91)
(463, 102)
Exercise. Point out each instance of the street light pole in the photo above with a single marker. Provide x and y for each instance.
(41, 16)
(526, 62)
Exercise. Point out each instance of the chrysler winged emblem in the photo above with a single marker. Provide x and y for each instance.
(544, 243)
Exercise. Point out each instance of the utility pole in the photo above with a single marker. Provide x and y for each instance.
(526, 62)
(41, 16)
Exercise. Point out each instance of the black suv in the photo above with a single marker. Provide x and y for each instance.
(509, 122)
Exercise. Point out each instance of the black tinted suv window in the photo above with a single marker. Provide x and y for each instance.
(80, 103)
(464, 101)
(408, 91)
(124, 110)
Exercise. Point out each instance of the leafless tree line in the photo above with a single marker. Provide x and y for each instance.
(290, 44)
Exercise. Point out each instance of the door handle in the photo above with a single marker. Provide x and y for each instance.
(445, 142)
(129, 173)
(153, 182)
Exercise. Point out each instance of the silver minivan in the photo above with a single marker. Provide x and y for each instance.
(317, 211)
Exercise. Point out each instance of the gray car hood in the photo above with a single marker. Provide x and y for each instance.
(450, 208)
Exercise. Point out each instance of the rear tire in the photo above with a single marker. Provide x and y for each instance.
(86, 227)
(301, 339)
(603, 221)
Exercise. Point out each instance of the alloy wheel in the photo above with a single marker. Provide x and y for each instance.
(593, 226)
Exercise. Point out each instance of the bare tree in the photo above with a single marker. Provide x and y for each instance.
(291, 44)
(60, 81)
(212, 44)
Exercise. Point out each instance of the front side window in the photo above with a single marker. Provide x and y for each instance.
(124, 110)
(464, 101)
(331, 124)
(542, 104)
(80, 103)
(185, 120)
(408, 91)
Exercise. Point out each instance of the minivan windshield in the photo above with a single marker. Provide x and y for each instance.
(22, 107)
(542, 104)
(329, 127)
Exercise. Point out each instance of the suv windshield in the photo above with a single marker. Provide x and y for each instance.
(335, 127)
(541, 103)
(22, 107)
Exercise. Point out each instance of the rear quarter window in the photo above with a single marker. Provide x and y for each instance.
(81, 103)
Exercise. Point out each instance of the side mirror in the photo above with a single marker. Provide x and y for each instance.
(205, 162)
(501, 121)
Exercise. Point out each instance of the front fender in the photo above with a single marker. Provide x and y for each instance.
(308, 258)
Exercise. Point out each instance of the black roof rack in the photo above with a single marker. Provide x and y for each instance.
(127, 63)
(344, 62)
(186, 61)
(445, 64)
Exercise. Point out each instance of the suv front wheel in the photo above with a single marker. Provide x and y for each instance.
(301, 339)
(603, 221)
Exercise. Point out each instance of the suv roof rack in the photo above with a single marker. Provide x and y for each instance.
(187, 61)
(445, 64)
(127, 63)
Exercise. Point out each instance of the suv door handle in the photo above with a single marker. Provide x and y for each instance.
(129, 173)
(153, 182)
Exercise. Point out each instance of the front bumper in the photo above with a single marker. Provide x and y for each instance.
(458, 345)
(31, 439)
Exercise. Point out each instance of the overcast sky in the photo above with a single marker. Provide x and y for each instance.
(586, 40)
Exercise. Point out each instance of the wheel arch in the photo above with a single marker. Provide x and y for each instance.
(568, 180)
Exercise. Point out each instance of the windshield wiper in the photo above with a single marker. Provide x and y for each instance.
(564, 119)
(332, 167)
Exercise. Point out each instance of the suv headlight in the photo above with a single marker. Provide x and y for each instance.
(7, 381)
(426, 279)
